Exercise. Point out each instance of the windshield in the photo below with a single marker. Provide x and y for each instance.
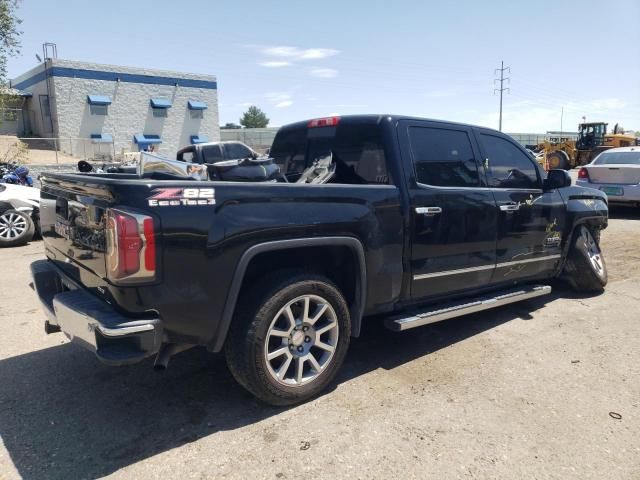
(236, 151)
(591, 135)
(618, 158)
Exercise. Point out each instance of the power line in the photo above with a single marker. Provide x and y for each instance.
(502, 88)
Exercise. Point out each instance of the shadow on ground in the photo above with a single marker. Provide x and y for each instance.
(619, 212)
(64, 415)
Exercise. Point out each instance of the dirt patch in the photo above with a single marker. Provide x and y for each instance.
(620, 243)
(38, 152)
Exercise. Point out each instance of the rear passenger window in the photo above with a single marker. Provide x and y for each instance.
(356, 150)
(507, 165)
(289, 151)
(443, 157)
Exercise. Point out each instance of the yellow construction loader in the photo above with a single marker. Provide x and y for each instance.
(592, 139)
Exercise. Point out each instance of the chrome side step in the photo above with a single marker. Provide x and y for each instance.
(477, 304)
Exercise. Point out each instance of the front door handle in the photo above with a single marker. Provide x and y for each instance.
(510, 207)
(428, 210)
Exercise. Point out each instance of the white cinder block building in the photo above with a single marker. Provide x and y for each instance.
(89, 106)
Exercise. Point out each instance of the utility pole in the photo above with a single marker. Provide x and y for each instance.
(502, 88)
(561, 118)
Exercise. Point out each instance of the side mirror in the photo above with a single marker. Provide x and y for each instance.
(557, 179)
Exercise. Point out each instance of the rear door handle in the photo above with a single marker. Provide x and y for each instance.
(428, 210)
(510, 207)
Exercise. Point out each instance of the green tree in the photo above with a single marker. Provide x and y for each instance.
(9, 35)
(254, 118)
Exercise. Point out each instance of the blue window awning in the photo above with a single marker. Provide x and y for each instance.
(25, 94)
(196, 105)
(160, 103)
(199, 139)
(142, 139)
(101, 138)
(98, 100)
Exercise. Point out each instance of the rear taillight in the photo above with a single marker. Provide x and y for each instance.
(324, 122)
(131, 247)
(583, 174)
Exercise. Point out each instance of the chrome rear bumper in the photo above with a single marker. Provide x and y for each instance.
(91, 322)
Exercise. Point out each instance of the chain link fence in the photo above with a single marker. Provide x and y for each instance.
(67, 150)
(257, 138)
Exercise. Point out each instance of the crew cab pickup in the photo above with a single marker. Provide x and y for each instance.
(373, 218)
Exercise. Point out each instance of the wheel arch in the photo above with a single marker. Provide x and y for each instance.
(5, 206)
(353, 245)
(594, 223)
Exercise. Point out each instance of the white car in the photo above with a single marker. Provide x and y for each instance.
(616, 172)
(19, 214)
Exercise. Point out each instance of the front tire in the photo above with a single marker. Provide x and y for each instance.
(289, 340)
(586, 270)
(16, 228)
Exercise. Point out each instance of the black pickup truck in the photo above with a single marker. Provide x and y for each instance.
(416, 221)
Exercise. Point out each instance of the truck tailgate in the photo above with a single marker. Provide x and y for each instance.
(73, 222)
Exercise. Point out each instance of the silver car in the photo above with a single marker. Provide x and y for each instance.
(616, 172)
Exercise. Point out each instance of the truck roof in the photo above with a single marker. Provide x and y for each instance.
(377, 119)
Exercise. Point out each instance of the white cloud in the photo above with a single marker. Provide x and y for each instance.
(318, 53)
(275, 64)
(279, 99)
(282, 51)
(323, 72)
(296, 53)
(286, 55)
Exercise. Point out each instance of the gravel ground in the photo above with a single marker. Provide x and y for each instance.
(525, 391)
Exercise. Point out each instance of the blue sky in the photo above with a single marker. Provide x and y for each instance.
(302, 59)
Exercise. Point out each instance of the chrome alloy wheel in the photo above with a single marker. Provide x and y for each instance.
(593, 252)
(301, 340)
(12, 225)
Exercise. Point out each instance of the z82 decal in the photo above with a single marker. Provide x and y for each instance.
(171, 197)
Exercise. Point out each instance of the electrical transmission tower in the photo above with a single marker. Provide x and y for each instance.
(502, 88)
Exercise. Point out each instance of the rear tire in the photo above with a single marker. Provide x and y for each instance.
(289, 339)
(586, 270)
(16, 228)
